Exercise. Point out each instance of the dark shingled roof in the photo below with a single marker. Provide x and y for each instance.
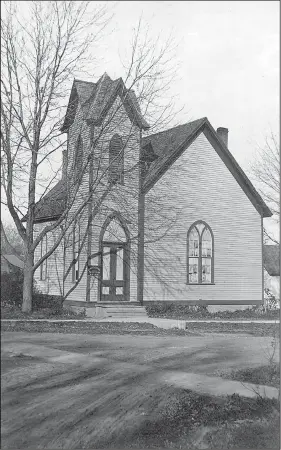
(96, 99)
(52, 205)
(271, 259)
(169, 144)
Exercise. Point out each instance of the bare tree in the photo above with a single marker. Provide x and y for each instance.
(38, 57)
(38, 60)
(266, 171)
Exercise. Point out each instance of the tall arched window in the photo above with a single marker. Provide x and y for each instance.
(116, 160)
(76, 252)
(200, 254)
(78, 159)
(43, 267)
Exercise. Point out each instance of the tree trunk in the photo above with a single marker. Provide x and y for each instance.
(27, 284)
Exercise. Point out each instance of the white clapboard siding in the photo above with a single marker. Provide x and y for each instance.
(200, 187)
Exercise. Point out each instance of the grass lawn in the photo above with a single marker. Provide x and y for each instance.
(268, 375)
(188, 420)
(141, 328)
(13, 312)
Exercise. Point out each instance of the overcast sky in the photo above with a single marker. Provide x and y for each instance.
(228, 55)
(228, 59)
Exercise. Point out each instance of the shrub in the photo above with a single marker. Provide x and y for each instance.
(166, 309)
(11, 288)
(11, 294)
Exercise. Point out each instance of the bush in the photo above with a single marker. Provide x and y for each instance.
(174, 310)
(11, 289)
(179, 311)
(11, 294)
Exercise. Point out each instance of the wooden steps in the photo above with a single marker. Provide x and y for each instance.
(120, 310)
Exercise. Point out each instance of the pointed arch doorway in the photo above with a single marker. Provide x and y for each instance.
(115, 261)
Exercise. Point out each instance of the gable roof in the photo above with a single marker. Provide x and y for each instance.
(52, 205)
(96, 99)
(170, 144)
(271, 259)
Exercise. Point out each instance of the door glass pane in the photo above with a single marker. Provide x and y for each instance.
(119, 264)
(119, 291)
(193, 270)
(106, 263)
(206, 270)
(105, 290)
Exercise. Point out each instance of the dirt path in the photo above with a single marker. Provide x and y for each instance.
(80, 391)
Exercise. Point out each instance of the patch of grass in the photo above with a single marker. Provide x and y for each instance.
(268, 375)
(254, 329)
(177, 311)
(185, 415)
(14, 312)
(134, 328)
(251, 434)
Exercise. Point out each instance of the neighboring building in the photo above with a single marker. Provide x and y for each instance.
(181, 223)
(271, 254)
(10, 263)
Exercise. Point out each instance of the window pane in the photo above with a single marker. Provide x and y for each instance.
(119, 264)
(105, 290)
(206, 270)
(106, 263)
(114, 232)
(193, 243)
(76, 256)
(200, 227)
(206, 243)
(119, 291)
(193, 270)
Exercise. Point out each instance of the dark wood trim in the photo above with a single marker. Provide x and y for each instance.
(126, 256)
(262, 259)
(207, 302)
(227, 158)
(141, 220)
(173, 157)
(90, 219)
(236, 171)
(199, 257)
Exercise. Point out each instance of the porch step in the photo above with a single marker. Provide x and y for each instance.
(120, 311)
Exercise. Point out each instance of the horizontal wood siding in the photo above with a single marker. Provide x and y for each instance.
(200, 187)
(53, 285)
(123, 198)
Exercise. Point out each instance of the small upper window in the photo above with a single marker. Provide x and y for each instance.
(200, 254)
(78, 159)
(116, 160)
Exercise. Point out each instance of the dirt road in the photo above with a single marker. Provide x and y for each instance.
(81, 391)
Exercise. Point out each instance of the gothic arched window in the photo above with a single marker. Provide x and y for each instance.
(200, 254)
(78, 159)
(116, 160)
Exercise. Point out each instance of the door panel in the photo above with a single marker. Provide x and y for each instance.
(113, 279)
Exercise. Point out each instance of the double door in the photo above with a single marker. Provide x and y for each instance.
(114, 269)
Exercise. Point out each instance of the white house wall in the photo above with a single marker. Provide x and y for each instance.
(200, 187)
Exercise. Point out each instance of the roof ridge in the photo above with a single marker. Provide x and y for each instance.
(84, 81)
(177, 126)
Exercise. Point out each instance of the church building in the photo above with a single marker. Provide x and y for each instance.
(148, 217)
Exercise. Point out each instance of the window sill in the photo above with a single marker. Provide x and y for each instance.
(200, 284)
